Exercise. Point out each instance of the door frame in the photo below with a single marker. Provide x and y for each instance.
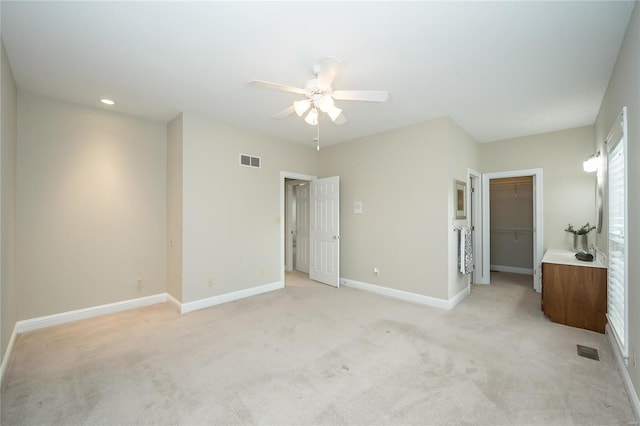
(288, 239)
(538, 229)
(475, 204)
(283, 205)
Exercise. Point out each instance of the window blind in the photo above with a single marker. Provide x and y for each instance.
(617, 287)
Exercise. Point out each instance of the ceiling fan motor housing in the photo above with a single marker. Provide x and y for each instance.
(311, 87)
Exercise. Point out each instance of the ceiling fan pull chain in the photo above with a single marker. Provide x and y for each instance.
(318, 136)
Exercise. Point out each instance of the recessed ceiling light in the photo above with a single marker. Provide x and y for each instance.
(107, 101)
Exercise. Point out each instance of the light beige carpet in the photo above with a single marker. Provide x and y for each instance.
(317, 355)
(300, 279)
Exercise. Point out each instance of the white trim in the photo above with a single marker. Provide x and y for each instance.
(7, 355)
(538, 226)
(624, 373)
(459, 297)
(408, 296)
(94, 311)
(475, 204)
(283, 177)
(512, 269)
(174, 302)
(288, 228)
(229, 297)
(110, 308)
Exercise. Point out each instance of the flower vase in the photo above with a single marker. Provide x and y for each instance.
(581, 243)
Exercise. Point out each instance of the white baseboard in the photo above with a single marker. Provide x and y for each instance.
(406, 295)
(459, 297)
(110, 308)
(65, 317)
(228, 297)
(512, 269)
(7, 355)
(174, 302)
(94, 311)
(624, 373)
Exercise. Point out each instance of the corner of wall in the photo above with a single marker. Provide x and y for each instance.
(8, 146)
(174, 206)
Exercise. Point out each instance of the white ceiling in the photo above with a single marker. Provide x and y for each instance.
(499, 69)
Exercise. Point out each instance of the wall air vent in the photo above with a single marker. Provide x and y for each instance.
(249, 161)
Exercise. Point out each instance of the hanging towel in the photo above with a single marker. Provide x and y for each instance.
(465, 251)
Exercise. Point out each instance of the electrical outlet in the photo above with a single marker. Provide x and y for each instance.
(139, 284)
(376, 271)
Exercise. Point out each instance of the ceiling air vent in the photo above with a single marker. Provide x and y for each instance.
(249, 161)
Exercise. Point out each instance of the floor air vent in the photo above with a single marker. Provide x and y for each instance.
(249, 160)
(588, 352)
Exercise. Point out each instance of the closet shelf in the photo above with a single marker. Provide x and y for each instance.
(511, 230)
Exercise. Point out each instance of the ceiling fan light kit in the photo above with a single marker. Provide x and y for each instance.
(334, 113)
(325, 102)
(301, 106)
(312, 117)
(320, 95)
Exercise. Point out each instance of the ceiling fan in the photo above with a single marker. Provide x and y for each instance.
(319, 94)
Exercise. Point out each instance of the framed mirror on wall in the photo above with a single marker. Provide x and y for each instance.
(460, 199)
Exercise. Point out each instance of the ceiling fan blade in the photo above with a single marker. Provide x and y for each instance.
(361, 95)
(328, 69)
(285, 112)
(340, 120)
(276, 86)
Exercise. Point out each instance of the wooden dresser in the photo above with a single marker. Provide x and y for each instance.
(574, 292)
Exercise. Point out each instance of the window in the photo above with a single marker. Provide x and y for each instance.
(617, 277)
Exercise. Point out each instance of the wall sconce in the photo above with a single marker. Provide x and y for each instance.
(592, 164)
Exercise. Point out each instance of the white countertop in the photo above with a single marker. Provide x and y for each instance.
(568, 257)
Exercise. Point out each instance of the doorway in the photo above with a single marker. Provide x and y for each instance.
(510, 231)
(310, 204)
(511, 221)
(297, 226)
(296, 230)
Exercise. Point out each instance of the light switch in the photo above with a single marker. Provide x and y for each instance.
(357, 207)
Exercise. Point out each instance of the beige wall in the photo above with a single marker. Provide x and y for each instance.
(91, 206)
(231, 213)
(463, 154)
(404, 180)
(624, 90)
(568, 192)
(8, 142)
(174, 207)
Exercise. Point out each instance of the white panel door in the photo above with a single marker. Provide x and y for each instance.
(302, 227)
(325, 230)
